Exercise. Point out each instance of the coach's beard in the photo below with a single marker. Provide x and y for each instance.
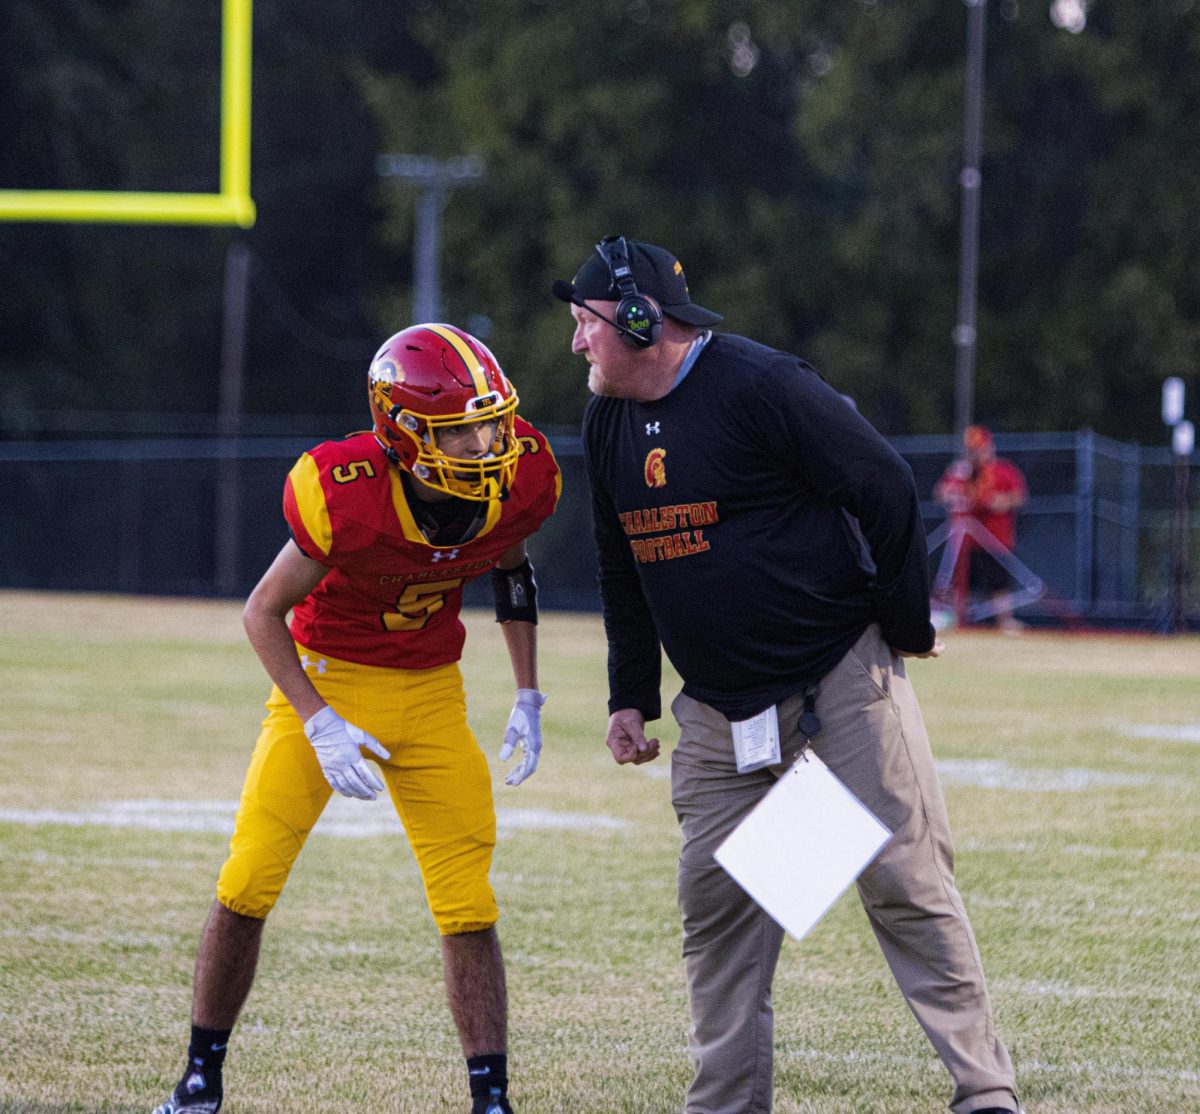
(597, 383)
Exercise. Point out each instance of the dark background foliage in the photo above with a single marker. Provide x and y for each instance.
(801, 158)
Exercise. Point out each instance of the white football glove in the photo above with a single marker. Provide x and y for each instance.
(524, 728)
(337, 745)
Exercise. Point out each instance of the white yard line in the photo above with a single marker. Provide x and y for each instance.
(1073, 1069)
(1083, 850)
(1068, 992)
(1088, 1069)
(1168, 732)
(1072, 911)
(994, 773)
(43, 933)
(343, 817)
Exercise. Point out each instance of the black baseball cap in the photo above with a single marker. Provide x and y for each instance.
(656, 272)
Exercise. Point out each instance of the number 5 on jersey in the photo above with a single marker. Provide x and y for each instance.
(418, 604)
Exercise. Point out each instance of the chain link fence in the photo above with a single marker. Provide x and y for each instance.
(162, 505)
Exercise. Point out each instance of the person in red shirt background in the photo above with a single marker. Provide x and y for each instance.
(982, 486)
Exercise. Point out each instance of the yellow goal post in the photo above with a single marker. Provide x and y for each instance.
(232, 205)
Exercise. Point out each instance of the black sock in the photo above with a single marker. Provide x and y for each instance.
(207, 1049)
(487, 1073)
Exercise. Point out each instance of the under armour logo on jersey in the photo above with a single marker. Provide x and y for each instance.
(318, 665)
(444, 555)
(652, 427)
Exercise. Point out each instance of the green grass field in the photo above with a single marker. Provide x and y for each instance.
(1071, 767)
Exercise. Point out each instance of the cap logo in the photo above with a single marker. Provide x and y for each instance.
(678, 267)
(655, 468)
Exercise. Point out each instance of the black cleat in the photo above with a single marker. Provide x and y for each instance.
(495, 1103)
(195, 1093)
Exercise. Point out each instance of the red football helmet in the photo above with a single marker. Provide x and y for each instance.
(436, 381)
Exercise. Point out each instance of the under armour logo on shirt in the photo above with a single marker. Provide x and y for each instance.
(652, 427)
(444, 555)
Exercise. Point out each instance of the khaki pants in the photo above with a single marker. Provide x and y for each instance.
(873, 738)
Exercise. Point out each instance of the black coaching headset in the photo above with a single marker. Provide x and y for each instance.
(637, 318)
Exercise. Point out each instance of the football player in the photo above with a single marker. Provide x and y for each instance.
(386, 528)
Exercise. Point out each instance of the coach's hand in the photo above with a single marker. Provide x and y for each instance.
(935, 651)
(524, 729)
(337, 745)
(627, 738)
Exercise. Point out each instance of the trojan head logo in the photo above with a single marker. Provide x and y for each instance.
(656, 469)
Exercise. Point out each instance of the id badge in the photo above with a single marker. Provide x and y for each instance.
(756, 741)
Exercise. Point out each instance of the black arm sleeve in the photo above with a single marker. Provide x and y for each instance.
(515, 593)
(634, 652)
(849, 462)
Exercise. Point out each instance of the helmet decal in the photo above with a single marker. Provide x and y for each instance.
(384, 374)
(470, 360)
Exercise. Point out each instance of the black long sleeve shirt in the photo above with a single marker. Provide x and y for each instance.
(753, 523)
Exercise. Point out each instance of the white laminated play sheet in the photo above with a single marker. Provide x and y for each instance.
(802, 845)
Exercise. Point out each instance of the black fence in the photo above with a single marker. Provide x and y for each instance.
(1108, 529)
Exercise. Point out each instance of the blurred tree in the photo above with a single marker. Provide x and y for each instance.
(667, 122)
(1094, 249)
(68, 91)
(801, 158)
(126, 95)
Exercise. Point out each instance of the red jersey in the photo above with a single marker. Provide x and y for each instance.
(972, 496)
(391, 598)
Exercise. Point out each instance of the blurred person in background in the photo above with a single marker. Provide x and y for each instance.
(989, 490)
(387, 526)
(754, 526)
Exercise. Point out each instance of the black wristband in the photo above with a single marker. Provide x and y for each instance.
(516, 594)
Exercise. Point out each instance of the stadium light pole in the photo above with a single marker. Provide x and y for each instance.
(971, 181)
(229, 415)
(434, 179)
(1183, 442)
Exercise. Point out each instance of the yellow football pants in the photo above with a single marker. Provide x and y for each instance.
(437, 776)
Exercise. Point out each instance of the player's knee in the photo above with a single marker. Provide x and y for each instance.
(471, 909)
(458, 889)
(455, 922)
(245, 886)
